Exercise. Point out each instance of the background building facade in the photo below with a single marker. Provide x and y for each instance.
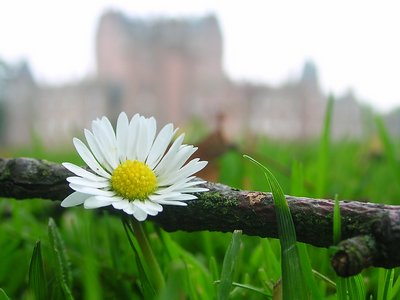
(171, 69)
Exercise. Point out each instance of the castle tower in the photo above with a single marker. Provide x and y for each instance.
(169, 68)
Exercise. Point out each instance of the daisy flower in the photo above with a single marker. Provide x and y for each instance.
(132, 168)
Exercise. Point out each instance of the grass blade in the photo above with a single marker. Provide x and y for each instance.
(352, 287)
(308, 272)
(63, 272)
(37, 280)
(249, 287)
(229, 265)
(388, 146)
(396, 286)
(385, 286)
(323, 156)
(355, 287)
(231, 169)
(297, 179)
(214, 272)
(3, 295)
(297, 188)
(388, 284)
(337, 222)
(293, 276)
(341, 289)
(147, 287)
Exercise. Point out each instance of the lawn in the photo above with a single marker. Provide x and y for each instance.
(49, 252)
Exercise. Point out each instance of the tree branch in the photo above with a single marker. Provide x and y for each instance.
(370, 232)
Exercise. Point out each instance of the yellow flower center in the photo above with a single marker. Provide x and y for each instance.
(133, 180)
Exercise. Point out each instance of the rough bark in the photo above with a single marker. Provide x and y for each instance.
(370, 232)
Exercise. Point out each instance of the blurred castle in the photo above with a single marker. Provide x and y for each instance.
(171, 69)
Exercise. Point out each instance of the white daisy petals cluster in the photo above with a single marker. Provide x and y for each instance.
(132, 168)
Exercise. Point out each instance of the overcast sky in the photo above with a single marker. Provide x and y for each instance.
(355, 44)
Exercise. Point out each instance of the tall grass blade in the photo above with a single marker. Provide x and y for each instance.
(231, 169)
(337, 222)
(191, 282)
(176, 251)
(308, 272)
(388, 146)
(91, 279)
(62, 265)
(214, 272)
(297, 188)
(213, 268)
(297, 179)
(388, 287)
(37, 279)
(147, 286)
(195, 280)
(3, 295)
(356, 287)
(323, 155)
(352, 287)
(250, 288)
(273, 265)
(385, 285)
(341, 289)
(294, 285)
(396, 286)
(228, 266)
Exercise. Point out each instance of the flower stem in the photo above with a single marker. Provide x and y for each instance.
(148, 254)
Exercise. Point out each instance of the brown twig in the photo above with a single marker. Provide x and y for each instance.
(370, 232)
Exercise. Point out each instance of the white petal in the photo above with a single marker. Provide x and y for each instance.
(97, 201)
(180, 197)
(183, 197)
(151, 134)
(95, 149)
(106, 141)
(190, 187)
(122, 135)
(160, 145)
(121, 204)
(169, 155)
(74, 199)
(177, 161)
(89, 183)
(133, 131)
(150, 208)
(154, 206)
(82, 172)
(145, 138)
(183, 187)
(189, 169)
(169, 202)
(138, 213)
(183, 155)
(88, 158)
(108, 129)
(91, 191)
(163, 196)
(194, 190)
(129, 208)
(192, 182)
(185, 182)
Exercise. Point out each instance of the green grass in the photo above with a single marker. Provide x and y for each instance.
(297, 276)
(84, 254)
